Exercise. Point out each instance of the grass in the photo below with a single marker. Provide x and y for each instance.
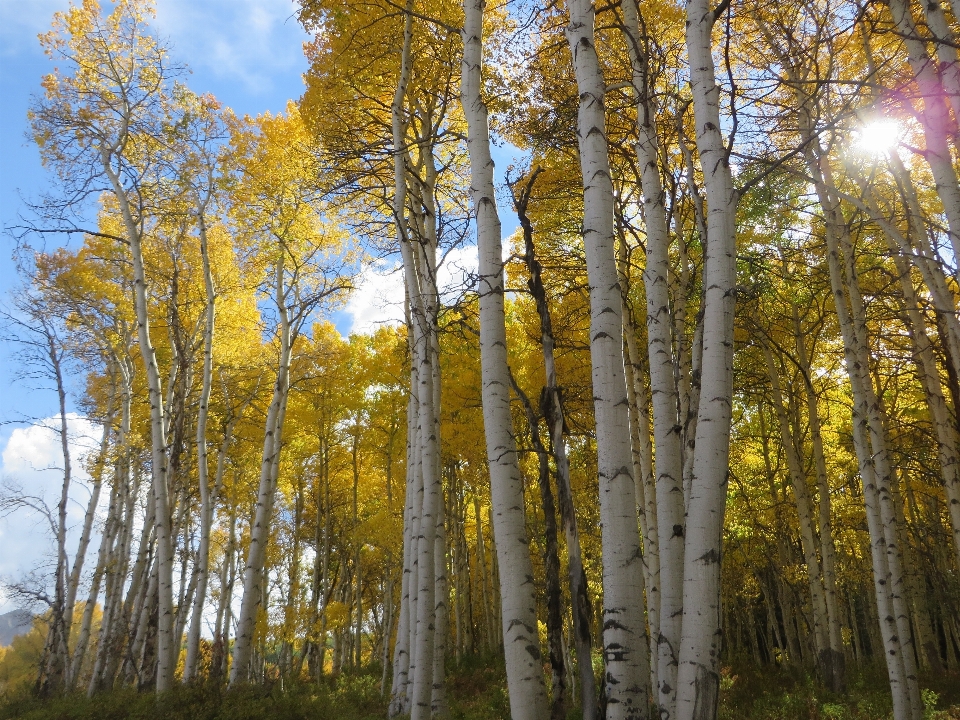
(792, 694)
(350, 696)
(476, 689)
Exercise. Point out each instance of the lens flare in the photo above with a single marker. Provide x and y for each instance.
(878, 137)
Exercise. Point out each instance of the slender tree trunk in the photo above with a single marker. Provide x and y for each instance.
(828, 554)
(666, 423)
(401, 653)
(936, 118)
(805, 516)
(698, 678)
(528, 699)
(552, 407)
(54, 673)
(207, 495)
(439, 710)
(624, 628)
(254, 588)
(73, 582)
(551, 562)
(896, 642)
(158, 435)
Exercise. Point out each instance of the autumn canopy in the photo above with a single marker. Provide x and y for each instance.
(697, 417)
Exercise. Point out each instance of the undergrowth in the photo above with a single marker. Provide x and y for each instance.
(476, 689)
(792, 694)
(348, 697)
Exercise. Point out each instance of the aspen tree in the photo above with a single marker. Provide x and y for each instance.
(805, 515)
(935, 116)
(824, 523)
(420, 283)
(698, 678)
(201, 174)
(102, 127)
(666, 424)
(624, 636)
(40, 335)
(305, 267)
(900, 676)
(553, 409)
(518, 606)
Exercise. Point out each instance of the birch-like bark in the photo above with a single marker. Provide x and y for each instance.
(553, 410)
(698, 678)
(117, 609)
(400, 700)
(254, 590)
(419, 271)
(167, 647)
(486, 587)
(624, 634)
(521, 642)
(895, 644)
(439, 710)
(419, 274)
(54, 665)
(401, 653)
(79, 652)
(73, 582)
(73, 666)
(944, 429)
(414, 586)
(945, 41)
(930, 271)
(917, 247)
(667, 425)
(936, 118)
(207, 494)
(870, 412)
(551, 561)
(641, 451)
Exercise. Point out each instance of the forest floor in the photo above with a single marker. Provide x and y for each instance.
(477, 691)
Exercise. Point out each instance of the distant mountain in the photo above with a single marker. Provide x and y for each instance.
(14, 623)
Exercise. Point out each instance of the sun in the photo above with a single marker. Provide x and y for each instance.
(878, 137)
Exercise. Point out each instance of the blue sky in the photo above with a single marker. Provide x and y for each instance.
(246, 52)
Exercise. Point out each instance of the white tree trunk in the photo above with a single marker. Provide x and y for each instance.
(254, 587)
(404, 661)
(805, 515)
(936, 118)
(894, 643)
(399, 703)
(167, 647)
(698, 678)
(666, 424)
(528, 700)
(945, 40)
(207, 494)
(438, 699)
(827, 545)
(624, 636)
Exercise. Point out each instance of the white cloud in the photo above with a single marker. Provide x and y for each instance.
(457, 273)
(378, 299)
(250, 41)
(33, 460)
